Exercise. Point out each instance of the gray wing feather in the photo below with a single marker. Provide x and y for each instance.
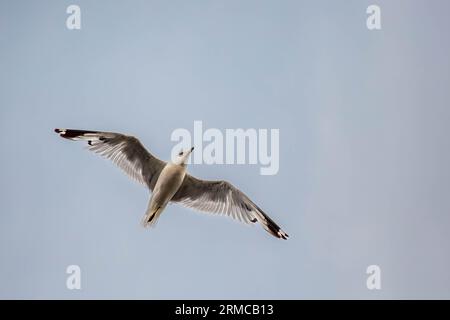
(221, 197)
(126, 152)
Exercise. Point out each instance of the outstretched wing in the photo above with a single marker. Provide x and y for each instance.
(125, 151)
(220, 197)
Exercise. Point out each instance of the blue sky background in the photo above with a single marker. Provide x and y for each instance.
(364, 152)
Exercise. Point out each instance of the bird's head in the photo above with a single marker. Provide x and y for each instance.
(182, 156)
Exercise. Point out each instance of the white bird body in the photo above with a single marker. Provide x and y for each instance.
(168, 183)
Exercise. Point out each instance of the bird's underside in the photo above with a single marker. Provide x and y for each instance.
(215, 197)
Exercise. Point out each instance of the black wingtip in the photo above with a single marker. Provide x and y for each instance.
(281, 234)
(284, 235)
(72, 133)
(62, 133)
(275, 230)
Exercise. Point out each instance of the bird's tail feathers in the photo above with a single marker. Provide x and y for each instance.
(151, 217)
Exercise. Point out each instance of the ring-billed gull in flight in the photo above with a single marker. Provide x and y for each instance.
(169, 181)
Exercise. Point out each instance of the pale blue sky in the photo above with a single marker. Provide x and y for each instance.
(364, 152)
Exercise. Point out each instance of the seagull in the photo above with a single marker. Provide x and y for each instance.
(169, 181)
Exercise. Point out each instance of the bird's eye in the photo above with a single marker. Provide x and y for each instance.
(181, 153)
